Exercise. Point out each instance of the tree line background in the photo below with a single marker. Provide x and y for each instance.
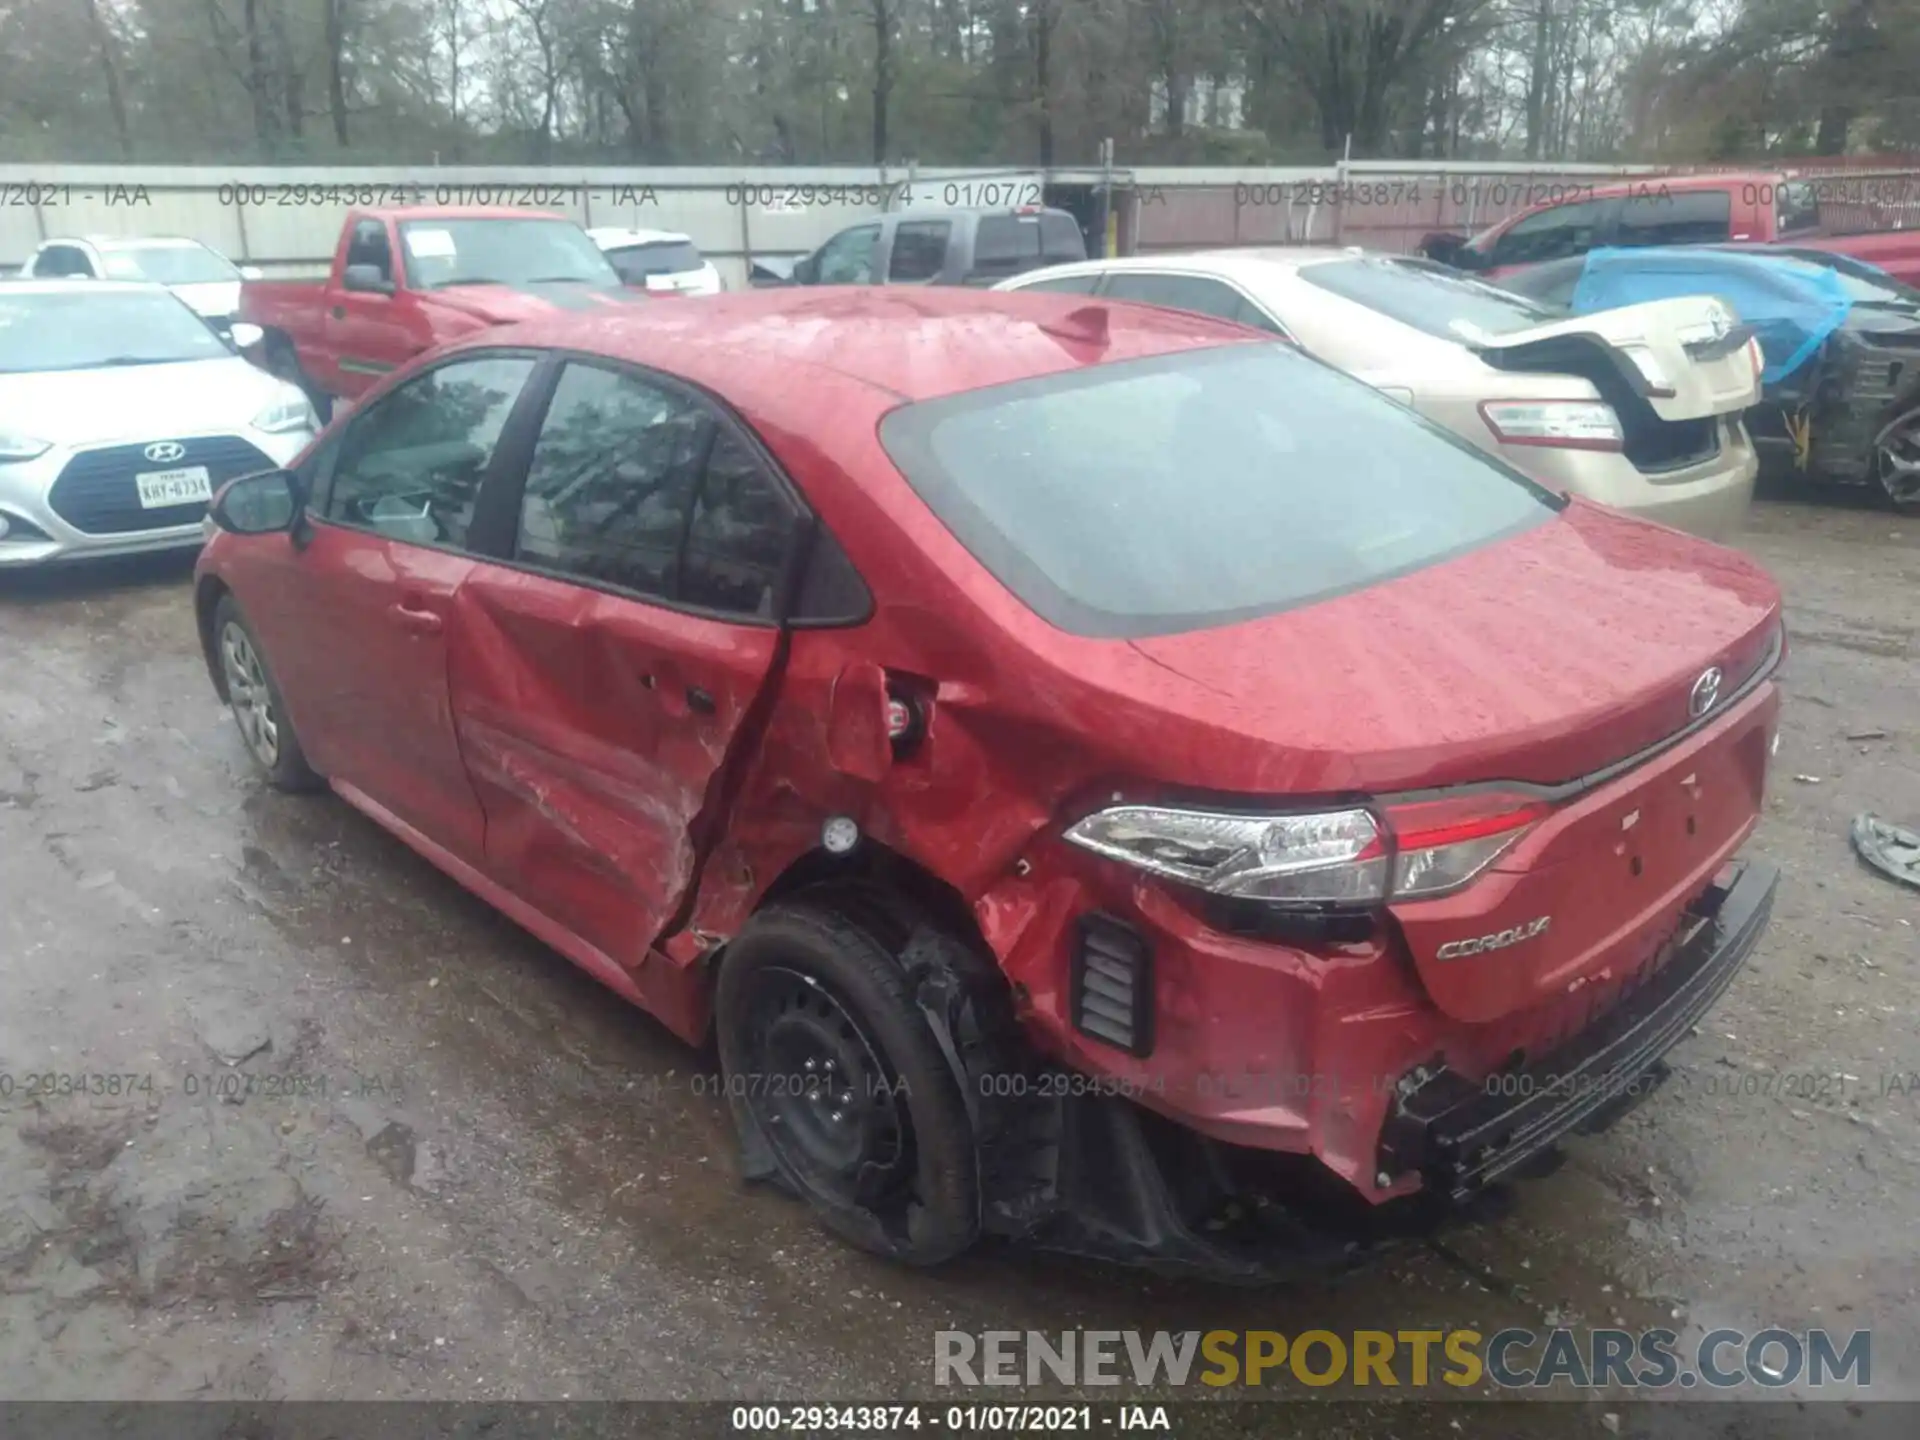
(952, 81)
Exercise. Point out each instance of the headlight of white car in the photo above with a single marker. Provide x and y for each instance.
(289, 412)
(14, 446)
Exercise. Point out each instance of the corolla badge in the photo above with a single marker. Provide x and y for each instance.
(1705, 693)
(164, 451)
(1499, 940)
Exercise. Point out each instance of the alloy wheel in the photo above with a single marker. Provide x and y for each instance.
(1896, 458)
(249, 696)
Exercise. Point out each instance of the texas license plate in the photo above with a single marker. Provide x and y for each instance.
(160, 488)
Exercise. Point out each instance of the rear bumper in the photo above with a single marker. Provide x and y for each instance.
(1710, 499)
(1462, 1135)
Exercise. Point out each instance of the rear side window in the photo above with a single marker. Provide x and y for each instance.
(740, 536)
(1008, 244)
(1154, 496)
(1439, 301)
(1186, 292)
(919, 250)
(1066, 285)
(1685, 217)
(612, 479)
(1796, 208)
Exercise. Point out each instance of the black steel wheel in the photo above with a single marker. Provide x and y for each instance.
(832, 1070)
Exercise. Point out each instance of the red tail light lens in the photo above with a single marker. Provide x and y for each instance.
(1443, 844)
(1333, 858)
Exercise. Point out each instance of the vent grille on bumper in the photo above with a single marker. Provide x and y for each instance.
(96, 493)
(1112, 984)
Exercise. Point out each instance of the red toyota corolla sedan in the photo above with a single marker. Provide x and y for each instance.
(1101, 776)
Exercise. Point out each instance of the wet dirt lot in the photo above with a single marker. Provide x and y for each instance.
(365, 1139)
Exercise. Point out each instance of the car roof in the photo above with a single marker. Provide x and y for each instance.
(976, 212)
(1236, 262)
(65, 286)
(613, 235)
(914, 344)
(129, 242)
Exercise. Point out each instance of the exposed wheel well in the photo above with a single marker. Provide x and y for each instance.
(206, 599)
(877, 868)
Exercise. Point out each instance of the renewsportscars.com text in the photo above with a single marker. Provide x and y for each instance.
(1511, 1359)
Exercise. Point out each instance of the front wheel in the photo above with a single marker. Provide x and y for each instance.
(1896, 457)
(831, 1067)
(257, 706)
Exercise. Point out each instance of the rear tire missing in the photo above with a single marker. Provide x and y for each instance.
(830, 1065)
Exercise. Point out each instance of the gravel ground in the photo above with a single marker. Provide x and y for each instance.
(381, 1144)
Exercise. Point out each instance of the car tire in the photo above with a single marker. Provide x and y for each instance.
(254, 698)
(830, 1066)
(1895, 454)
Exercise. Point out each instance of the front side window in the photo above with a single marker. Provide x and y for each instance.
(1549, 234)
(1428, 297)
(1796, 207)
(86, 328)
(1685, 217)
(1149, 497)
(410, 468)
(612, 481)
(919, 250)
(847, 259)
(369, 246)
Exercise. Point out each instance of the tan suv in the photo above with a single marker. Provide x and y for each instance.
(1638, 408)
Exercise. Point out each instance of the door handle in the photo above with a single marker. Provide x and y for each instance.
(700, 700)
(420, 622)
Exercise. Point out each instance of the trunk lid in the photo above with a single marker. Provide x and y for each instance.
(1686, 358)
(1614, 670)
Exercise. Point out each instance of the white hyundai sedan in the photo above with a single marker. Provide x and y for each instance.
(121, 413)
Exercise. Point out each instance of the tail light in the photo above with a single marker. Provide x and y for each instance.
(1561, 424)
(1355, 857)
(1757, 354)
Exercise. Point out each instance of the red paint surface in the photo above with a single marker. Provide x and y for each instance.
(630, 832)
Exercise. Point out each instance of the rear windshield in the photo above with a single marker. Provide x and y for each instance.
(1185, 491)
(658, 257)
(1008, 244)
(1439, 301)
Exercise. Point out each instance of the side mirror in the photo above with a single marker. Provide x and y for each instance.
(251, 272)
(368, 278)
(257, 504)
(245, 336)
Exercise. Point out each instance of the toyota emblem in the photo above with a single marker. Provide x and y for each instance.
(1706, 692)
(164, 451)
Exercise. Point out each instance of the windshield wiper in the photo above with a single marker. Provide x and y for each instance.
(565, 280)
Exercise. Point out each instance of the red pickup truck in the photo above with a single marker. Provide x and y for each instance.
(406, 280)
(1759, 206)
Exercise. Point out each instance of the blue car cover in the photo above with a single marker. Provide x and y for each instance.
(1793, 305)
